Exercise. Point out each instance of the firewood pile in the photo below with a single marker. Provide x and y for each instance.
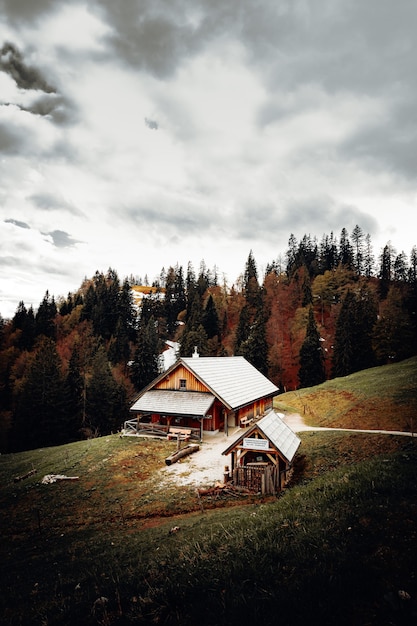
(224, 489)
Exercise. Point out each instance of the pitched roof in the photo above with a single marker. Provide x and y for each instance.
(232, 379)
(276, 431)
(192, 403)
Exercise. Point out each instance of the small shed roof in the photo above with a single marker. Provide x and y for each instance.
(191, 403)
(273, 428)
(232, 379)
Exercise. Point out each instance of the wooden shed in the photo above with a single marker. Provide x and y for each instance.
(262, 456)
(204, 394)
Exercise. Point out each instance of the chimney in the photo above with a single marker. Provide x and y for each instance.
(195, 353)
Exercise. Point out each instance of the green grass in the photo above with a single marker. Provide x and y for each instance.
(336, 547)
(381, 397)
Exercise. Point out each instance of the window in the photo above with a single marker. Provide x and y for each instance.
(183, 384)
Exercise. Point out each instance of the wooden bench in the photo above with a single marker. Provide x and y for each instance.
(181, 434)
(246, 421)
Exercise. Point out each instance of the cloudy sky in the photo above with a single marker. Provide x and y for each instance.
(144, 133)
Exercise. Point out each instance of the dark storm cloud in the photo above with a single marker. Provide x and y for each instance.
(17, 223)
(61, 239)
(54, 107)
(25, 76)
(26, 10)
(49, 104)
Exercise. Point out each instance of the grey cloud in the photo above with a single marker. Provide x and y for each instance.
(11, 139)
(389, 146)
(312, 215)
(25, 76)
(158, 36)
(50, 104)
(323, 214)
(152, 124)
(61, 239)
(50, 202)
(53, 106)
(12, 261)
(17, 223)
(26, 10)
(181, 217)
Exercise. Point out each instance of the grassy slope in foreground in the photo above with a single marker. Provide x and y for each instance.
(340, 545)
(377, 398)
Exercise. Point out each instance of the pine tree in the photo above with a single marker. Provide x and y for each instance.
(358, 249)
(24, 322)
(40, 417)
(251, 284)
(102, 397)
(145, 366)
(345, 250)
(255, 348)
(394, 333)
(385, 274)
(45, 317)
(74, 387)
(195, 338)
(311, 370)
(344, 342)
(243, 329)
(368, 261)
(211, 319)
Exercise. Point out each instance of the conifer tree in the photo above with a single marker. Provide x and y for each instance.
(255, 347)
(368, 261)
(385, 274)
(243, 328)
(251, 284)
(145, 366)
(311, 370)
(40, 416)
(344, 341)
(211, 319)
(45, 317)
(24, 322)
(74, 389)
(102, 396)
(194, 338)
(358, 249)
(345, 250)
(394, 333)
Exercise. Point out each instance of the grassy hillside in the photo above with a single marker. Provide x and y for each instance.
(340, 544)
(380, 397)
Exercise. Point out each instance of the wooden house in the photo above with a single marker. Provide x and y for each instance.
(261, 457)
(203, 394)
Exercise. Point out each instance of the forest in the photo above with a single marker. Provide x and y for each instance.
(328, 308)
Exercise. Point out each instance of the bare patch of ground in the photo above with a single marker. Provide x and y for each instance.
(204, 467)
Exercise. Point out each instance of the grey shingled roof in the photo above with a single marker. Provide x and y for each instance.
(174, 402)
(232, 379)
(279, 434)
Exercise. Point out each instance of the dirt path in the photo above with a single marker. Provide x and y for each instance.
(296, 423)
(206, 466)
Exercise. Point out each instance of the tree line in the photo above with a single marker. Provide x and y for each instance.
(70, 369)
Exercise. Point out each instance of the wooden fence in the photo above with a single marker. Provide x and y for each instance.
(263, 479)
(134, 427)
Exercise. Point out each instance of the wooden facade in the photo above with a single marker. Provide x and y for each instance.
(193, 394)
(261, 457)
